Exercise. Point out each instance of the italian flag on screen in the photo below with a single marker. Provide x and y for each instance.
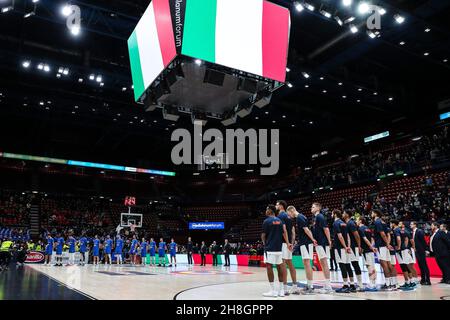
(248, 35)
(151, 46)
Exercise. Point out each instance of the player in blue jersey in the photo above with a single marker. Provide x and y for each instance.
(321, 233)
(49, 249)
(96, 250)
(133, 250)
(143, 251)
(162, 253)
(71, 242)
(119, 249)
(368, 252)
(83, 242)
(306, 242)
(355, 247)
(152, 245)
(59, 250)
(108, 245)
(173, 252)
(342, 251)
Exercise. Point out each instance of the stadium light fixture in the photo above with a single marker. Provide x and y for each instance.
(427, 30)
(347, 3)
(382, 11)
(349, 19)
(353, 28)
(305, 75)
(66, 10)
(298, 6)
(26, 64)
(46, 68)
(339, 21)
(290, 85)
(363, 8)
(426, 53)
(399, 19)
(35, 1)
(198, 62)
(99, 79)
(371, 34)
(325, 13)
(7, 9)
(75, 31)
(29, 14)
(288, 70)
(309, 6)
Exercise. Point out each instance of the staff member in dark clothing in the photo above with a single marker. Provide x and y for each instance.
(420, 250)
(215, 251)
(440, 246)
(226, 252)
(203, 251)
(189, 247)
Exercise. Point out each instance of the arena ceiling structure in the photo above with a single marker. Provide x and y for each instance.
(69, 94)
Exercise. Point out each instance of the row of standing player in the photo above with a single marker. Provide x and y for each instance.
(353, 239)
(110, 247)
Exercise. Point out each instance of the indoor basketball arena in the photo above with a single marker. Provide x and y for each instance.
(225, 150)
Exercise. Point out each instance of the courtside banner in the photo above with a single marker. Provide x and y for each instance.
(206, 225)
(35, 257)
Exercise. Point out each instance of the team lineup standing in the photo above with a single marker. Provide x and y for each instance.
(354, 243)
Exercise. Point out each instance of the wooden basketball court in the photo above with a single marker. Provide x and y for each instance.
(203, 283)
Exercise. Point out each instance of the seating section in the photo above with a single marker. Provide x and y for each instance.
(335, 199)
(14, 210)
(413, 184)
